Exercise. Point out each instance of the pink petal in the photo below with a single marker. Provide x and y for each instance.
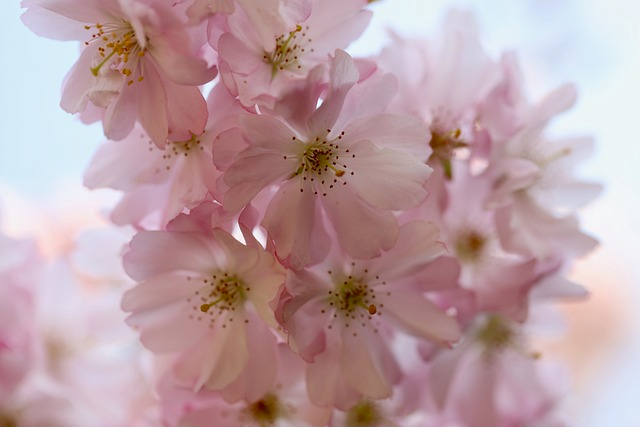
(181, 68)
(86, 11)
(46, 23)
(186, 111)
(419, 316)
(157, 252)
(229, 354)
(323, 375)
(216, 360)
(363, 231)
(271, 133)
(121, 114)
(78, 83)
(417, 245)
(293, 221)
(387, 179)
(343, 75)
(258, 378)
(237, 56)
(167, 328)
(159, 291)
(252, 173)
(151, 97)
(403, 133)
(335, 24)
(226, 148)
(361, 364)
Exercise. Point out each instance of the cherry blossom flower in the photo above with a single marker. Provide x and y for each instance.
(285, 404)
(268, 18)
(499, 280)
(341, 315)
(338, 163)
(138, 63)
(534, 186)
(204, 297)
(491, 378)
(339, 242)
(444, 83)
(257, 66)
(161, 183)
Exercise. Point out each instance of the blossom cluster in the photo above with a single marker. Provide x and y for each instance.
(318, 239)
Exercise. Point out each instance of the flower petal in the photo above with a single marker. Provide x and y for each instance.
(157, 252)
(419, 316)
(387, 179)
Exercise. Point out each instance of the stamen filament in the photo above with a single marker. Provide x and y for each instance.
(97, 68)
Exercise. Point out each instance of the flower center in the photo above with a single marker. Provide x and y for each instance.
(496, 334)
(289, 48)
(221, 294)
(118, 47)
(318, 159)
(320, 162)
(265, 411)
(364, 414)
(469, 246)
(8, 420)
(444, 146)
(351, 297)
(184, 147)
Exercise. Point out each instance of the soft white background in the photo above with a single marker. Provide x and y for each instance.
(594, 43)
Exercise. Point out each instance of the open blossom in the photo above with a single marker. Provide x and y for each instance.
(444, 83)
(257, 65)
(535, 192)
(343, 162)
(160, 182)
(138, 63)
(341, 315)
(268, 18)
(285, 404)
(340, 242)
(205, 297)
(499, 280)
(491, 379)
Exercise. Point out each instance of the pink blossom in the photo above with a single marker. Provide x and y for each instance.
(499, 280)
(204, 297)
(341, 315)
(39, 403)
(491, 378)
(444, 82)
(161, 183)
(338, 163)
(138, 63)
(534, 186)
(284, 404)
(257, 65)
(268, 18)
(20, 266)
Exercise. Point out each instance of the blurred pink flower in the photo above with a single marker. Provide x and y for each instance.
(20, 269)
(284, 404)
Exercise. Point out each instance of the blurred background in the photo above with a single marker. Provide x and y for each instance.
(593, 43)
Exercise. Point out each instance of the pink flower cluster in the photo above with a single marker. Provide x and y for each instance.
(324, 240)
